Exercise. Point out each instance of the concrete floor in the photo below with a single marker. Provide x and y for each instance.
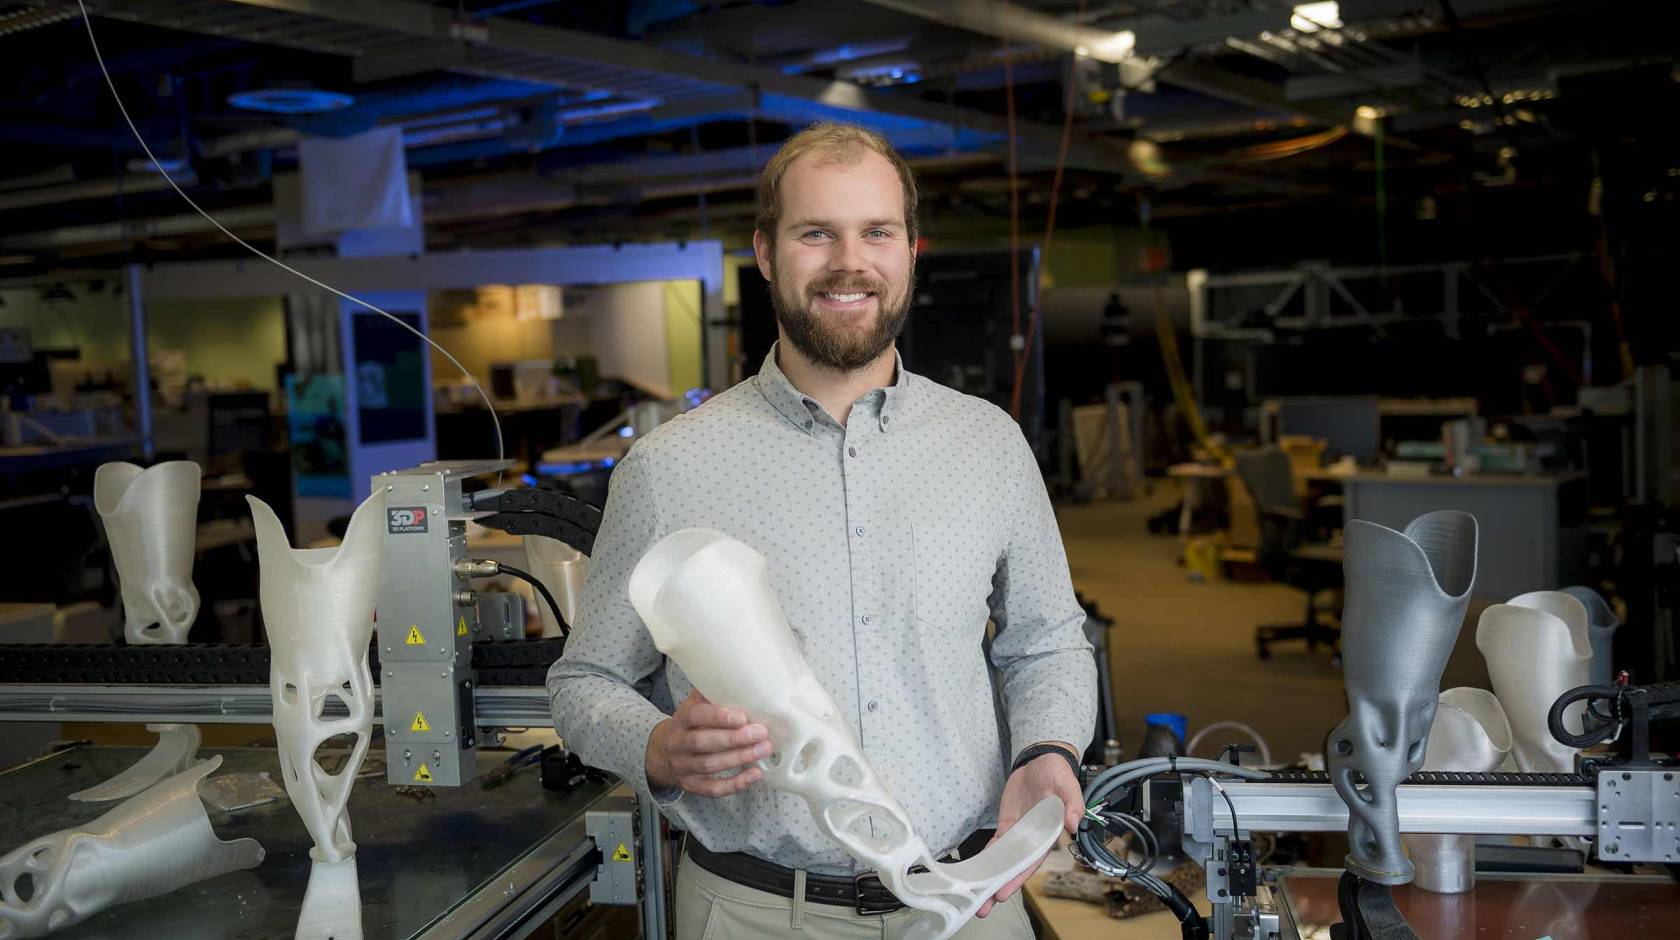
(1183, 646)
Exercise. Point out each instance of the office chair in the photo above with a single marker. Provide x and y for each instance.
(1283, 551)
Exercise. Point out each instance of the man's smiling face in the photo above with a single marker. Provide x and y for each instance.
(842, 266)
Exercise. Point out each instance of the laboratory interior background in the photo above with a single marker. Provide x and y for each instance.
(1243, 272)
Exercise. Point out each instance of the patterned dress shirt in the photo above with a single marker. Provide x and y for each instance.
(891, 542)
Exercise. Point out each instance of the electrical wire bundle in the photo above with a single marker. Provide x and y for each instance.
(1101, 821)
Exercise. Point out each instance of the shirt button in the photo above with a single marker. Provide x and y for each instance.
(874, 706)
(859, 531)
(866, 620)
(885, 419)
(807, 425)
(852, 451)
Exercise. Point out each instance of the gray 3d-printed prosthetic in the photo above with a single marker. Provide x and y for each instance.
(1406, 597)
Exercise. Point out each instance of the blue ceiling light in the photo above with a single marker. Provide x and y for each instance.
(291, 100)
(168, 164)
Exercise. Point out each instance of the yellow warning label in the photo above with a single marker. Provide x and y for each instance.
(419, 723)
(423, 775)
(462, 629)
(622, 853)
(415, 637)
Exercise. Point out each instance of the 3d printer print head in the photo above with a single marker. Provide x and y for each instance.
(151, 521)
(705, 599)
(317, 607)
(1406, 597)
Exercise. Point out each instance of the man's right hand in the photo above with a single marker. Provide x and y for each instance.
(701, 740)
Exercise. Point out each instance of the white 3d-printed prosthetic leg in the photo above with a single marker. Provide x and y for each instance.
(1471, 735)
(1602, 631)
(562, 569)
(151, 521)
(317, 605)
(174, 752)
(152, 844)
(1537, 648)
(707, 601)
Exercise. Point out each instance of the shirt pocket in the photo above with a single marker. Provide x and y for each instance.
(954, 570)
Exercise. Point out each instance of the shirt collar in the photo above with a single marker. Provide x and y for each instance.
(803, 410)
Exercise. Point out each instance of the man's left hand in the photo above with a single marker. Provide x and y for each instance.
(1044, 775)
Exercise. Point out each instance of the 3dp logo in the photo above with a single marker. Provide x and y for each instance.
(404, 519)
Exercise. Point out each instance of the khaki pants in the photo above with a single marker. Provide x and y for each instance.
(710, 907)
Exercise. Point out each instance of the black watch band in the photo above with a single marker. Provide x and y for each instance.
(1039, 750)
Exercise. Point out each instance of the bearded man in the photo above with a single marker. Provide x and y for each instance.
(899, 518)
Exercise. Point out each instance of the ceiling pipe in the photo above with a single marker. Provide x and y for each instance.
(91, 189)
(1008, 21)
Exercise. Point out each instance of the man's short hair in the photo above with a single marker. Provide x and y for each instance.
(833, 142)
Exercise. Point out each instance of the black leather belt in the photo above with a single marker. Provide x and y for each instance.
(864, 893)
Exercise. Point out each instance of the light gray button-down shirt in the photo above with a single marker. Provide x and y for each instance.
(891, 541)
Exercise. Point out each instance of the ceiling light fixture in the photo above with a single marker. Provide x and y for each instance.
(1312, 17)
(291, 100)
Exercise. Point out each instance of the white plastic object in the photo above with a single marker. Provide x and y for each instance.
(151, 521)
(562, 569)
(707, 602)
(174, 752)
(1536, 648)
(1470, 734)
(150, 845)
(1603, 622)
(1265, 752)
(317, 605)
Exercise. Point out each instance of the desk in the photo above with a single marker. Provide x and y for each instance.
(1507, 907)
(1532, 529)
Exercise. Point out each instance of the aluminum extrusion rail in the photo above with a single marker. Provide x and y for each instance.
(494, 706)
(507, 662)
(1539, 807)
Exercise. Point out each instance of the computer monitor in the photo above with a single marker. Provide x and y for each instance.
(1351, 426)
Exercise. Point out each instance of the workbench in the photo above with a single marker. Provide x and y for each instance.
(450, 862)
(1505, 907)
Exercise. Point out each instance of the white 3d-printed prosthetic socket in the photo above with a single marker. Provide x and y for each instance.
(176, 747)
(1602, 632)
(1537, 648)
(562, 569)
(152, 844)
(151, 521)
(1470, 735)
(707, 602)
(317, 605)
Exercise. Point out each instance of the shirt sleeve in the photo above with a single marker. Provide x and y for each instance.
(603, 690)
(1049, 673)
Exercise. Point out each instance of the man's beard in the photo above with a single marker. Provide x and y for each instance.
(831, 345)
